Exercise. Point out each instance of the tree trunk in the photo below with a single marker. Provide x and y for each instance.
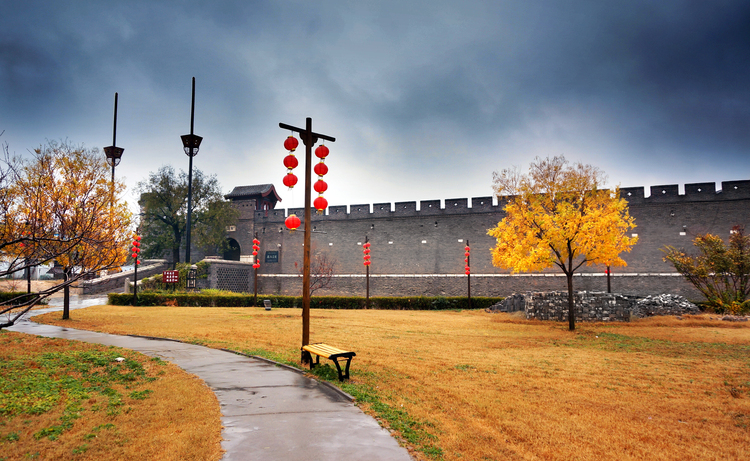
(175, 257)
(571, 304)
(66, 300)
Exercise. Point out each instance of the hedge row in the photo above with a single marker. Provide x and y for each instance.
(6, 296)
(318, 302)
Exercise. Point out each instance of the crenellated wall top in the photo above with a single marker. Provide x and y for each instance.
(730, 190)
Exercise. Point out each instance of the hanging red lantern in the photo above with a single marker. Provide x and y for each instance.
(321, 169)
(290, 180)
(320, 186)
(291, 143)
(320, 204)
(321, 151)
(256, 247)
(290, 161)
(292, 222)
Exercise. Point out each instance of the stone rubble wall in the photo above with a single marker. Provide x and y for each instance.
(594, 306)
(590, 307)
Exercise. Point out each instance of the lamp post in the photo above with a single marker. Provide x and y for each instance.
(190, 143)
(114, 153)
(309, 138)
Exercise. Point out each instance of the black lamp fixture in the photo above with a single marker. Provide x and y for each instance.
(191, 143)
(114, 153)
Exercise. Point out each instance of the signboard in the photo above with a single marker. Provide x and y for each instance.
(170, 277)
(272, 256)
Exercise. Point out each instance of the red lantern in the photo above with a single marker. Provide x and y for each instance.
(256, 265)
(320, 186)
(320, 204)
(291, 143)
(321, 151)
(292, 222)
(320, 169)
(290, 180)
(290, 161)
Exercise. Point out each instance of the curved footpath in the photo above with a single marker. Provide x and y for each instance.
(269, 412)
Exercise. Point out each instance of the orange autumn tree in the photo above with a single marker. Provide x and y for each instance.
(556, 215)
(61, 206)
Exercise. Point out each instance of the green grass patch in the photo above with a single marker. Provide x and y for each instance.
(33, 384)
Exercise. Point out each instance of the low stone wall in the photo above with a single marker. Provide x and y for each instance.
(115, 283)
(481, 285)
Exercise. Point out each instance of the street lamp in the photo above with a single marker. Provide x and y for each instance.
(113, 153)
(190, 143)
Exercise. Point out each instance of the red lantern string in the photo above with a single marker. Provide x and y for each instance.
(467, 253)
(321, 186)
(135, 248)
(366, 251)
(256, 247)
(290, 161)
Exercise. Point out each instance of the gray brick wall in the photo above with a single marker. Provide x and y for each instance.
(415, 246)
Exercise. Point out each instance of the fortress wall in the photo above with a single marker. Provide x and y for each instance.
(430, 240)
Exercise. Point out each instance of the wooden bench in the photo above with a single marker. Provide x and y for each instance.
(329, 352)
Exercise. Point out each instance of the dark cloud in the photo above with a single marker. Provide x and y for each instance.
(401, 83)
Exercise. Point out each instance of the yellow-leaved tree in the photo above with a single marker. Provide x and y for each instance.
(556, 215)
(61, 206)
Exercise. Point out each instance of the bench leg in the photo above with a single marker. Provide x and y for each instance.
(345, 375)
(307, 357)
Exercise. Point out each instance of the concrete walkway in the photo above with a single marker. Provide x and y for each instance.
(269, 412)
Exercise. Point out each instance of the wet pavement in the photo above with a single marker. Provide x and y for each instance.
(269, 412)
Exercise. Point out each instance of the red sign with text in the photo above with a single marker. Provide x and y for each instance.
(170, 277)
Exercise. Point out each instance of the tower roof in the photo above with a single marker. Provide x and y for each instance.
(256, 191)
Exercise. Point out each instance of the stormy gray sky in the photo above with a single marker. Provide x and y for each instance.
(425, 98)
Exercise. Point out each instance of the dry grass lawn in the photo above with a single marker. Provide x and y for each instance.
(495, 387)
(55, 405)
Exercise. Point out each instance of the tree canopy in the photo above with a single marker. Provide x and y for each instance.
(60, 206)
(556, 215)
(720, 271)
(163, 200)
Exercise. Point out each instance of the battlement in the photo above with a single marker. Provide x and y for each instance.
(455, 206)
(696, 192)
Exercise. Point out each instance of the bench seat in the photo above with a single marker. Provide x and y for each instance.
(329, 352)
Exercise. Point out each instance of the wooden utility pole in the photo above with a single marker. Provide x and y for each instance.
(309, 138)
